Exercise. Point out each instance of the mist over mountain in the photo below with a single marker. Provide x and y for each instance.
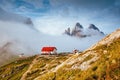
(79, 31)
(19, 35)
(12, 41)
(27, 39)
(33, 41)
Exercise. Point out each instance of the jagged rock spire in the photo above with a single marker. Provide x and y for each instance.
(92, 26)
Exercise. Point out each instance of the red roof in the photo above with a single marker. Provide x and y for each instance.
(48, 48)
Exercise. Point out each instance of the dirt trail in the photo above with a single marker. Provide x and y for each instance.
(29, 69)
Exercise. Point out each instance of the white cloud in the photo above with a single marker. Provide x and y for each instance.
(36, 3)
(28, 40)
(7, 4)
(52, 25)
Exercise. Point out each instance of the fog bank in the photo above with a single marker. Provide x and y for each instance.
(27, 40)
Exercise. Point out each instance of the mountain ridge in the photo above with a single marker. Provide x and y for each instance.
(79, 31)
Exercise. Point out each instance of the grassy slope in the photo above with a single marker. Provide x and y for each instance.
(14, 70)
(107, 67)
(45, 63)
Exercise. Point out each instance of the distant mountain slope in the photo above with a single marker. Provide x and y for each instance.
(99, 62)
(6, 55)
(10, 51)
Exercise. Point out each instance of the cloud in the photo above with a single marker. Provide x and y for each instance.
(85, 4)
(56, 16)
(53, 22)
(12, 32)
(117, 2)
(36, 3)
(86, 7)
(27, 41)
(25, 7)
(103, 13)
(52, 25)
(7, 4)
(65, 8)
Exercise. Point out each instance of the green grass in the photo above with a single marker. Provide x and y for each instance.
(108, 65)
(45, 64)
(88, 57)
(14, 70)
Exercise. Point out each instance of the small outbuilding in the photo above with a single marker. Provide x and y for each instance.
(21, 55)
(48, 50)
(75, 51)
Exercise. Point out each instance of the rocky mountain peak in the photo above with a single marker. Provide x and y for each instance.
(92, 26)
(67, 31)
(76, 31)
(79, 31)
(78, 25)
(28, 21)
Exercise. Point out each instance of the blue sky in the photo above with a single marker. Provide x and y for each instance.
(60, 14)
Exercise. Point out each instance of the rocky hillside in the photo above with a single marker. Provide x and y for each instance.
(99, 62)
